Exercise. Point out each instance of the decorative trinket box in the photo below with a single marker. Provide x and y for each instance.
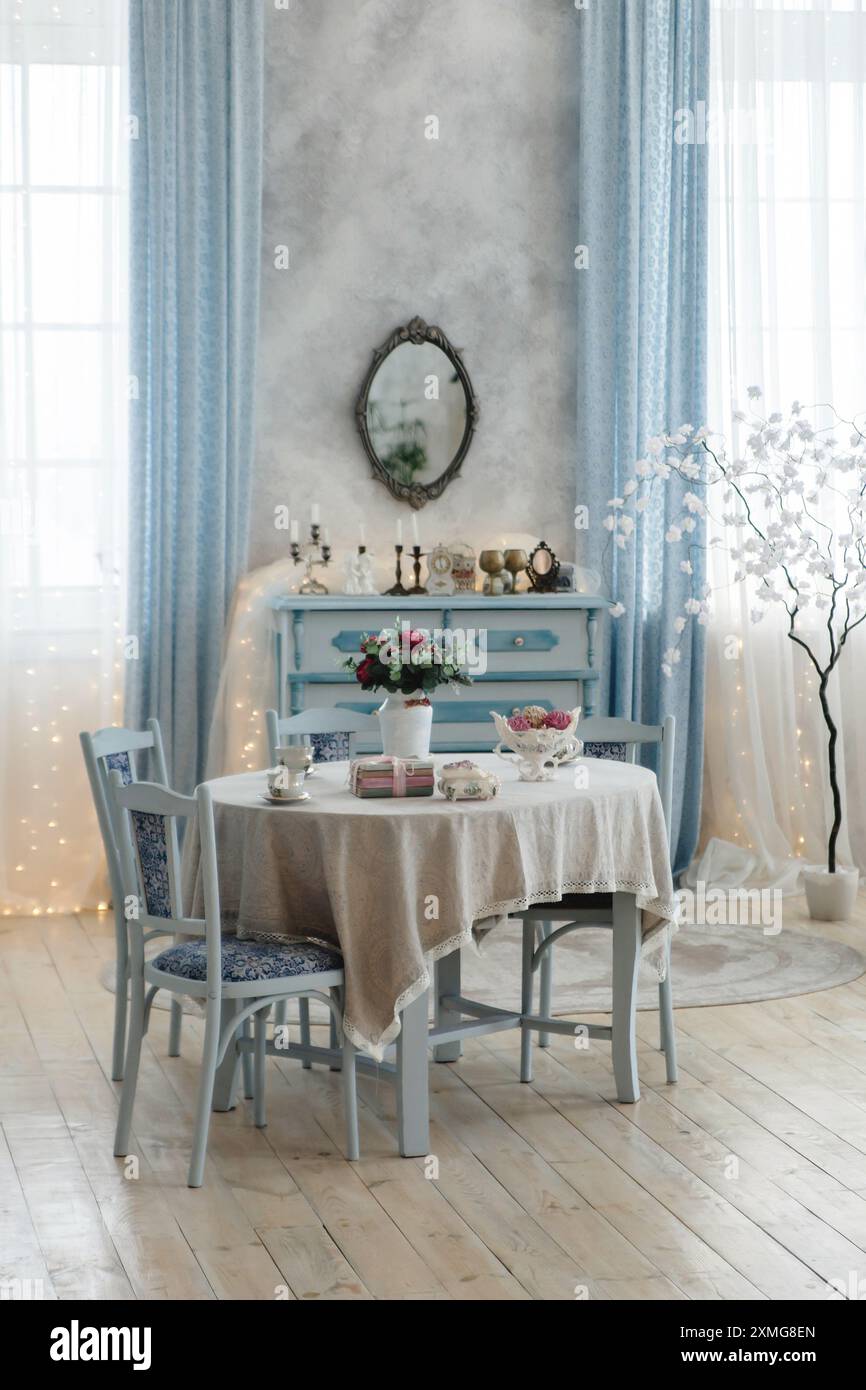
(387, 775)
(466, 781)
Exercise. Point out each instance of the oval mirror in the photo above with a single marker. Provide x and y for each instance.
(416, 412)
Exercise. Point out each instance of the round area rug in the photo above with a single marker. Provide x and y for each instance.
(718, 965)
(709, 965)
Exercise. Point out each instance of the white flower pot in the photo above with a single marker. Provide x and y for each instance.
(831, 897)
(405, 729)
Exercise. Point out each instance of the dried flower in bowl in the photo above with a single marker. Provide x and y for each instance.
(557, 719)
(536, 716)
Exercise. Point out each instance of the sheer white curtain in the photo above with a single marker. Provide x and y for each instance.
(787, 313)
(63, 388)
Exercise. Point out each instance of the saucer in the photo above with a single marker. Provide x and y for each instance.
(284, 800)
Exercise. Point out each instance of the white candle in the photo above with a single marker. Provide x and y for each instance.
(293, 532)
(326, 537)
(415, 540)
(399, 533)
(362, 531)
(314, 514)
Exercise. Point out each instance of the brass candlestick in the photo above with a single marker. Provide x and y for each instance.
(417, 556)
(397, 589)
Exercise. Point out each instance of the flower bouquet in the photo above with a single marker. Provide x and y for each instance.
(409, 663)
(538, 740)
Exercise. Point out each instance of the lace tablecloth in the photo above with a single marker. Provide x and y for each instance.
(397, 882)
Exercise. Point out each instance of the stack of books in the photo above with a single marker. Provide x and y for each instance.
(386, 776)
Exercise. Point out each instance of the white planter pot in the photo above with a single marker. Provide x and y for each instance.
(405, 729)
(831, 897)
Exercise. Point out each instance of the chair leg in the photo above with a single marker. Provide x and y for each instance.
(304, 1014)
(121, 987)
(130, 1079)
(526, 992)
(334, 1036)
(205, 1093)
(261, 1033)
(350, 1101)
(546, 982)
(667, 1027)
(281, 1012)
(174, 1028)
(247, 1062)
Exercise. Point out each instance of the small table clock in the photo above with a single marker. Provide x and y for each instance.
(439, 565)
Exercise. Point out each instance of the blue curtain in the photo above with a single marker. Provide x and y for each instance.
(196, 80)
(642, 200)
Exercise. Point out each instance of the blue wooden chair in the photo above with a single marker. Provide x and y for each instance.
(618, 740)
(206, 964)
(105, 751)
(332, 733)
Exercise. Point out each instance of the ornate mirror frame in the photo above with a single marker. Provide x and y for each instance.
(417, 494)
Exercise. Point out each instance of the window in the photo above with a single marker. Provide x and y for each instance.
(63, 386)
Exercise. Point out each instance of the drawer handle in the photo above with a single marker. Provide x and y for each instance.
(519, 641)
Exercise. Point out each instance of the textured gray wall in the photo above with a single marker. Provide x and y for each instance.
(474, 232)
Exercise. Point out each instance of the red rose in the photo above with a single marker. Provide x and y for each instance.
(363, 670)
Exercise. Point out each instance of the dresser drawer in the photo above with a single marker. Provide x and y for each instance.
(328, 638)
(522, 643)
(459, 721)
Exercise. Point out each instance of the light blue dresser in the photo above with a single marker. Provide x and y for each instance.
(541, 649)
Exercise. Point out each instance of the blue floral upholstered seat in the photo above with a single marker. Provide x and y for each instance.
(248, 960)
(330, 748)
(612, 752)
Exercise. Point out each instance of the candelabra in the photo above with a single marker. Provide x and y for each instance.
(312, 552)
(398, 589)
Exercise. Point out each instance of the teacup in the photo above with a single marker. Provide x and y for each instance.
(286, 782)
(298, 757)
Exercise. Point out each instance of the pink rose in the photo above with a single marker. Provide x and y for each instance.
(557, 719)
(518, 724)
(415, 637)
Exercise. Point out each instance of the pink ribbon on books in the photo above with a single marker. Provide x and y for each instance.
(400, 769)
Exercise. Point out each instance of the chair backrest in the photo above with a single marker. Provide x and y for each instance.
(332, 733)
(107, 751)
(144, 818)
(619, 739)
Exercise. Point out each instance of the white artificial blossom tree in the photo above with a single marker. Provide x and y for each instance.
(773, 503)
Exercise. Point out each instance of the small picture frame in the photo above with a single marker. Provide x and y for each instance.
(543, 569)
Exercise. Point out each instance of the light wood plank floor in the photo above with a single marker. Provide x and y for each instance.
(746, 1180)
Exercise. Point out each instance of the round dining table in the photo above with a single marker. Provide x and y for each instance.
(400, 884)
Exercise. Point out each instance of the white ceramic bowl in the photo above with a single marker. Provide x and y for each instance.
(536, 752)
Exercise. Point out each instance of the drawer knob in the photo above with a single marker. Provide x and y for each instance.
(519, 641)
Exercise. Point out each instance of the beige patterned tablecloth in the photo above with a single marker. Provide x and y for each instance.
(397, 882)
